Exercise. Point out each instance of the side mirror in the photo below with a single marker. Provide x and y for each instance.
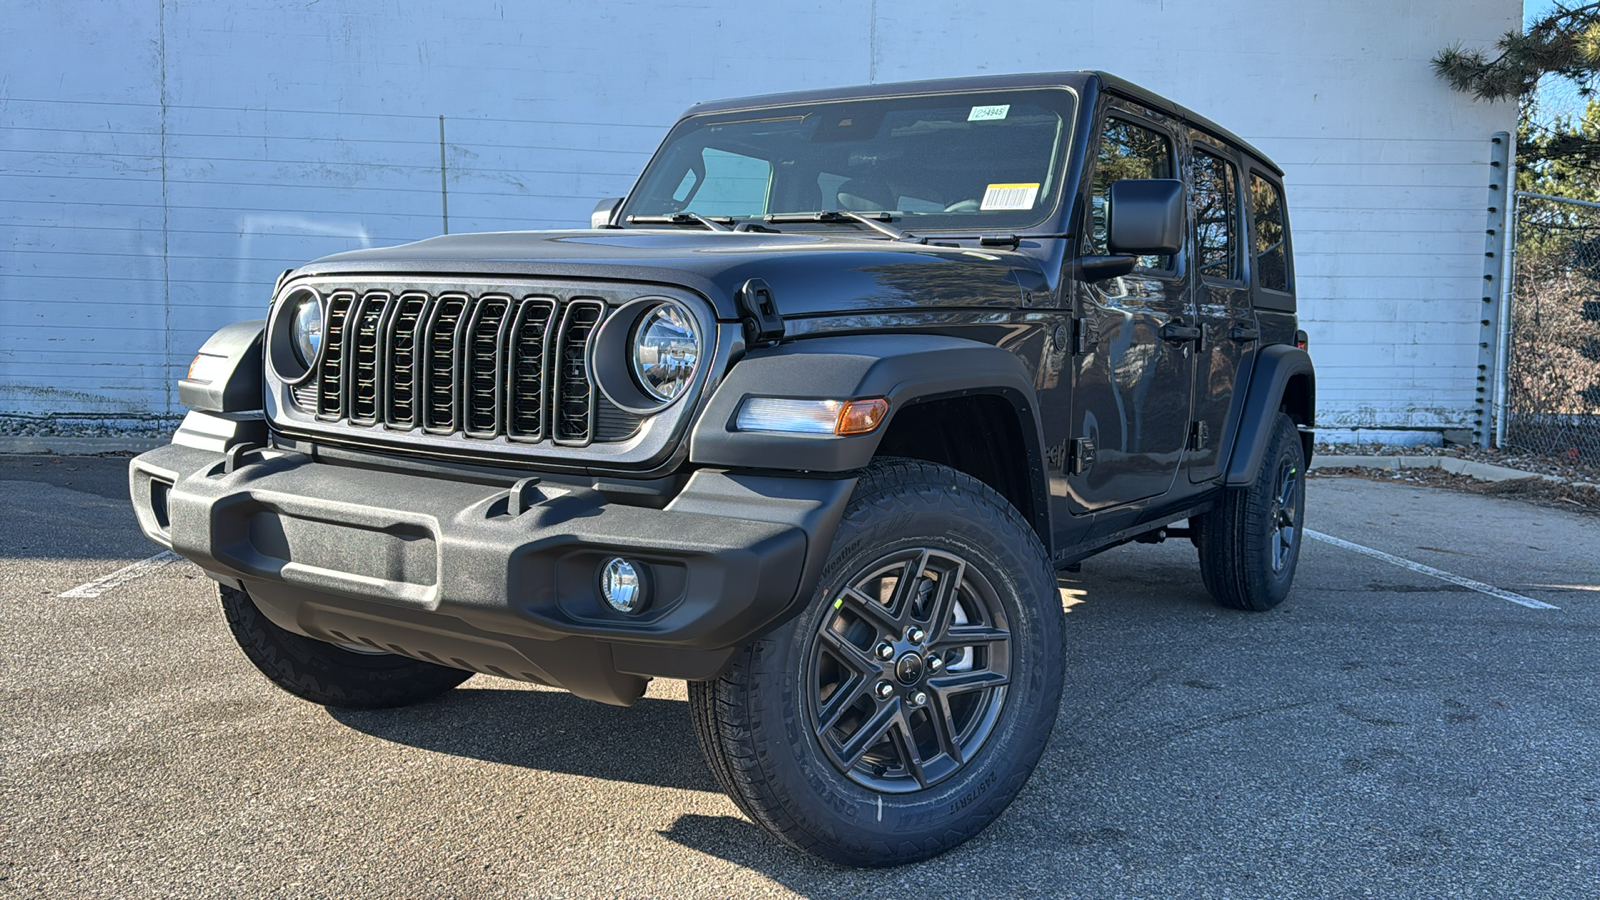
(603, 211)
(1094, 269)
(1145, 217)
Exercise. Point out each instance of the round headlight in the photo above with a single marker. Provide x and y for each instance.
(665, 352)
(307, 330)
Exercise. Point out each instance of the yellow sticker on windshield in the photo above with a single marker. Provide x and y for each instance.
(1010, 196)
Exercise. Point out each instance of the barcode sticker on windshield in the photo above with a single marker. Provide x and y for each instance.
(1010, 196)
(987, 113)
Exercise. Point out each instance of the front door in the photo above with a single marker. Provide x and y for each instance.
(1132, 369)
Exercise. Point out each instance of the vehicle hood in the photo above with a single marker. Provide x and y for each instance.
(809, 273)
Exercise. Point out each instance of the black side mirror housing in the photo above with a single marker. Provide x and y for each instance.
(1094, 269)
(1145, 217)
(603, 211)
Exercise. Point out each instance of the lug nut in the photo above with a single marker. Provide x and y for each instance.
(935, 663)
(885, 650)
(883, 690)
(915, 635)
(919, 698)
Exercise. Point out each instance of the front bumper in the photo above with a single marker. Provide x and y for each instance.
(451, 572)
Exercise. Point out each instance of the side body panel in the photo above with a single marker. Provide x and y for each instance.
(1130, 384)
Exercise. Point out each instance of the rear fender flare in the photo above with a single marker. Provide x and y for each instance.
(1275, 367)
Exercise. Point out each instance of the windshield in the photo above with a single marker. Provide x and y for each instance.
(981, 161)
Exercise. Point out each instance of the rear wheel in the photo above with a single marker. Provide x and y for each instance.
(327, 673)
(1250, 542)
(906, 706)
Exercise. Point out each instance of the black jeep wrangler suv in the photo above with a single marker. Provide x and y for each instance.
(810, 419)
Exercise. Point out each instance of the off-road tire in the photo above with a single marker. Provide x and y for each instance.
(753, 723)
(1240, 537)
(328, 674)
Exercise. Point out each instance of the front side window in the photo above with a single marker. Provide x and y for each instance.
(1271, 251)
(1216, 215)
(969, 162)
(1126, 151)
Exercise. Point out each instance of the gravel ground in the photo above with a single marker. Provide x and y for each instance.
(1533, 490)
(65, 426)
(1573, 470)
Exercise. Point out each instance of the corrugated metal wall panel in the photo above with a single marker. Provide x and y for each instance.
(160, 163)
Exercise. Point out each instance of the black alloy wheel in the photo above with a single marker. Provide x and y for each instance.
(1249, 543)
(905, 706)
(908, 674)
(1285, 514)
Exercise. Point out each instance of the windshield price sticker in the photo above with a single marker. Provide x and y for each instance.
(988, 113)
(1010, 196)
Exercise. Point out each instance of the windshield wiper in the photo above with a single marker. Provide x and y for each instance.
(719, 223)
(1003, 239)
(875, 221)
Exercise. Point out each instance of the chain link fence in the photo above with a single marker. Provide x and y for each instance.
(1552, 378)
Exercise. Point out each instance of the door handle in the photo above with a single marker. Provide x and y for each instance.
(1244, 334)
(1178, 333)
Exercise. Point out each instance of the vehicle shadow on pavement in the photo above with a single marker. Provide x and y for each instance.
(650, 742)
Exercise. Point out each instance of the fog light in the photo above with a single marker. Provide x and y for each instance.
(622, 584)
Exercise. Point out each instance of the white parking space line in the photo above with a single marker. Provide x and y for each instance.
(1440, 574)
(121, 576)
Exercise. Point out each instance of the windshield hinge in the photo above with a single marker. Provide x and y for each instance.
(758, 309)
(1080, 456)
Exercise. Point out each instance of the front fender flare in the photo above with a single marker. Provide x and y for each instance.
(906, 369)
(226, 377)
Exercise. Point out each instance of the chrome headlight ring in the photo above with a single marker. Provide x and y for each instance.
(295, 333)
(647, 354)
(666, 352)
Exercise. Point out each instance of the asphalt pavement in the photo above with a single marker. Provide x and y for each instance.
(1387, 732)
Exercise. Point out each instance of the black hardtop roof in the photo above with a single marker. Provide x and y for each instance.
(1077, 80)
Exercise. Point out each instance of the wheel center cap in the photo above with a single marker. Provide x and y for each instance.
(908, 668)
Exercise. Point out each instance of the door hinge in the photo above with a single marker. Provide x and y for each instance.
(1199, 434)
(1085, 335)
(1080, 456)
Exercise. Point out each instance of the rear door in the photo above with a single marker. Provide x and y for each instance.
(1229, 332)
(1131, 385)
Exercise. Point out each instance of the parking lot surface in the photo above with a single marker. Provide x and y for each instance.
(1386, 733)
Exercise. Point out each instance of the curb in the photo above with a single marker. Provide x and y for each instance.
(1478, 470)
(88, 446)
(76, 446)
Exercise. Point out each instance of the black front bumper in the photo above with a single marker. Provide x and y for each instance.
(451, 572)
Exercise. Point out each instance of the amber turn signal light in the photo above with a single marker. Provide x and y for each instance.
(783, 415)
(861, 416)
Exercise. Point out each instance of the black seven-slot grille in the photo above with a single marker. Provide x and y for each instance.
(488, 366)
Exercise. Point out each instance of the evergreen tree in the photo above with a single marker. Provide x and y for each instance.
(1565, 43)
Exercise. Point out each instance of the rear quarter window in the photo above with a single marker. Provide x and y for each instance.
(1271, 238)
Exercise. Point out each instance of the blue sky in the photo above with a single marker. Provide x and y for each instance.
(1555, 97)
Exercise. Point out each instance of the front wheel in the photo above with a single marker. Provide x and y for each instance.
(1249, 542)
(327, 673)
(905, 707)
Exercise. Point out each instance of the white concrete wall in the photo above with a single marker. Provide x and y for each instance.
(161, 162)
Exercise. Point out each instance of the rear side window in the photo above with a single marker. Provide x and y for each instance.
(1271, 248)
(1126, 151)
(1216, 215)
